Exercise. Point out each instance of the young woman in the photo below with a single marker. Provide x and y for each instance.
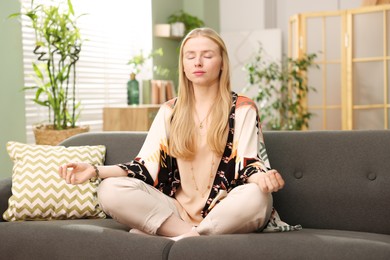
(200, 170)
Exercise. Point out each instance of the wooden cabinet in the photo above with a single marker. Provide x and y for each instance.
(129, 118)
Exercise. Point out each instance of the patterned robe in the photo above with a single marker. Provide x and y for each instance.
(244, 153)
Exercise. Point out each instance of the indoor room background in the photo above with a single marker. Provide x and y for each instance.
(242, 24)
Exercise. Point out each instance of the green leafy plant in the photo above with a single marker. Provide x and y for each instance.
(190, 22)
(138, 61)
(57, 48)
(281, 90)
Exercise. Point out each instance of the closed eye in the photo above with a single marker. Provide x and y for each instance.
(190, 57)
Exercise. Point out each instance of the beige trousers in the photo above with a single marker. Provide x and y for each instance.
(139, 205)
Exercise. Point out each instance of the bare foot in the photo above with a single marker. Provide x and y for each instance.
(192, 233)
(137, 231)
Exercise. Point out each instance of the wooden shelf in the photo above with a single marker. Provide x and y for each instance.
(164, 31)
(129, 118)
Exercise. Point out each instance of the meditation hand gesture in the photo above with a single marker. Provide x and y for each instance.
(271, 181)
(79, 173)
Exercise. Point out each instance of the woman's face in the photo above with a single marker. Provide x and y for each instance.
(202, 61)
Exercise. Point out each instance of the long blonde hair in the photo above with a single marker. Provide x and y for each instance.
(182, 136)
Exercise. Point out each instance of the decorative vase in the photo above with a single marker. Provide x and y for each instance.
(132, 90)
(47, 135)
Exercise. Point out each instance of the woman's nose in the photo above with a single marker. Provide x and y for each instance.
(198, 62)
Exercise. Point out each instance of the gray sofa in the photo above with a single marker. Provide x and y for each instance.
(337, 188)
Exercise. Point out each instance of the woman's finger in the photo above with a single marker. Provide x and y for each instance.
(269, 183)
(262, 184)
(280, 180)
(61, 171)
(73, 179)
(68, 176)
(273, 181)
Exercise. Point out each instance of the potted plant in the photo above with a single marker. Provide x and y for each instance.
(281, 90)
(57, 48)
(137, 63)
(185, 22)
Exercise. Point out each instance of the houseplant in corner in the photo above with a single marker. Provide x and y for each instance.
(57, 49)
(282, 88)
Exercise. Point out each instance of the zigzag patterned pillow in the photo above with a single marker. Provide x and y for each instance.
(38, 193)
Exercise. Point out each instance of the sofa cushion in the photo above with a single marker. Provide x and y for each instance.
(78, 239)
(38, 193)
(304, 244)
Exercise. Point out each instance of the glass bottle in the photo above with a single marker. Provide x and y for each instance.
(132, 90)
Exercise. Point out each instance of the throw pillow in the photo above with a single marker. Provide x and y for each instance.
(38, 193)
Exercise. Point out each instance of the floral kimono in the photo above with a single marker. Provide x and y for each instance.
(244, 154)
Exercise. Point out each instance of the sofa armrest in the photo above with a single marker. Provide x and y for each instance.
(5, 193)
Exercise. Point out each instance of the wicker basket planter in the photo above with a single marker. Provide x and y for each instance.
(45, 134)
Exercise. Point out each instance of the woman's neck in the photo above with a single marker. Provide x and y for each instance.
(204, 100)
(205, 96)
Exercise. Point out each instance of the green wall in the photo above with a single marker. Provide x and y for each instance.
(160, 12)
(207, 10)
(12, 110)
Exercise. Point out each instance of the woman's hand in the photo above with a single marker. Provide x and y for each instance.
(271, 181)
(76, 173)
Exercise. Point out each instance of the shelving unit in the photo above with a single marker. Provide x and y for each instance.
(353, 46)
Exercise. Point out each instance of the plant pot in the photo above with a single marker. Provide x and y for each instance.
(178, 29)
(47, 135)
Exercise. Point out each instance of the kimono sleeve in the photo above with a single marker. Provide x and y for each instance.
(146, 165)
(251, 153)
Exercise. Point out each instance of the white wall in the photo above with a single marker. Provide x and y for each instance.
(242, 46)
(244, 22)
(287, 8)
(241, 15)
(242, 26)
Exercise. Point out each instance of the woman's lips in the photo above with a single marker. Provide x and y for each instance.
(198, 73)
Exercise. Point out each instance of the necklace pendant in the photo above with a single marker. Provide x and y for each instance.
(201, 125)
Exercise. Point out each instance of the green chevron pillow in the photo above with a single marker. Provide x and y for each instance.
(38, 193)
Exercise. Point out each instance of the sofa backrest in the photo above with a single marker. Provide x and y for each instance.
(334, 179)
(121, 146)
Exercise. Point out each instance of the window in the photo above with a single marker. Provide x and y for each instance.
(114, 30)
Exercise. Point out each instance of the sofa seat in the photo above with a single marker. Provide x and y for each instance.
(304, 244)
(78, 239)
(104, 238)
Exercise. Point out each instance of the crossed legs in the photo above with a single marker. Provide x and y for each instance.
(140, 206)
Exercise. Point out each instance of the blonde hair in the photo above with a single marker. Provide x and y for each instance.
(182, 137)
